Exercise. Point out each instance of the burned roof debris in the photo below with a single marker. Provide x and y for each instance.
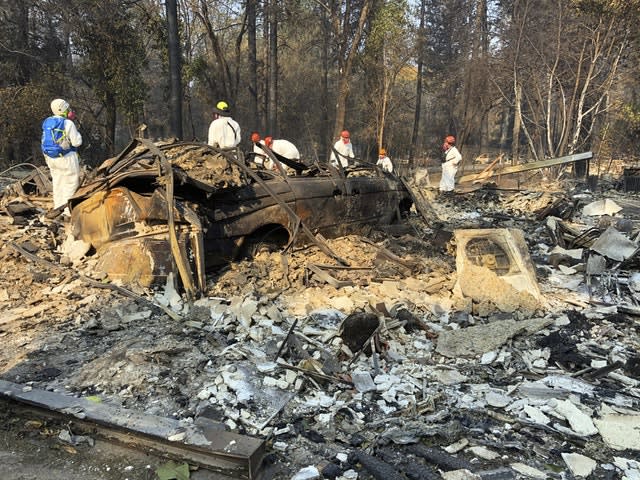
(499, 341)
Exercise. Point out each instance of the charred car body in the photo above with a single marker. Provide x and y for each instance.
(222, 208)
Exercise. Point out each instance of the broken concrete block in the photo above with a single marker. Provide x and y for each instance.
(579, 421)
(479, 339)
(244, 311)
(483, 452)
(528, 471)
(349, 475)
(362, 381)
(73, 249)
(483, 285)
(619, 431)
(579, 465)
(497, 399)
(456, 447)
(449, 377)
(463, 474)
(630, 468)
(344, 304)
(536, 415)
(488, 358)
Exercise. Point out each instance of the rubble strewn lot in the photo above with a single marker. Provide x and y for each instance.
(420, 360)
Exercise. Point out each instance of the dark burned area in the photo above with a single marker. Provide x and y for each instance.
(416, 361)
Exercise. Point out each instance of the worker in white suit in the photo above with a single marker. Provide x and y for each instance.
(342, 150)
(282, 147)
(59, 144)
(224, 131)
(452, 158)
(384, 161)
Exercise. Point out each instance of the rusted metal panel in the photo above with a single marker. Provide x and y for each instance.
(145, 261)
(107, 215)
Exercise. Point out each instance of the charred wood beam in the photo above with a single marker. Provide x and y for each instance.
(203, 443)
(389, 255)
(440, 458)
(311, 373)
(286, 339)
(606, 370)
(116, 161)
(424, 208)
(364, 346)
(278, 159)
(327, 278)
(376, 467)
(412, 469)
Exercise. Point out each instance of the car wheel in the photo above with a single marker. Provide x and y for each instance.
(266, 241)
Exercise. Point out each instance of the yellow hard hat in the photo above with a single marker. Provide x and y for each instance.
(222, 108)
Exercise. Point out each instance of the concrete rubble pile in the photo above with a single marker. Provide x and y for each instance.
(429, 358)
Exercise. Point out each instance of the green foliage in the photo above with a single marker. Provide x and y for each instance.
(389, 25)
(628, 128)
(24, 109)
(607, 8)
(111, 54)
(108, 56)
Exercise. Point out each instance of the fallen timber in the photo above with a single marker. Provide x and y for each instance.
(512, 169)
(204, 443)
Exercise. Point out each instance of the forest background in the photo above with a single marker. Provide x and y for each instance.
(526, 79)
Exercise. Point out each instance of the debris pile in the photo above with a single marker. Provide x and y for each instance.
(498, 341)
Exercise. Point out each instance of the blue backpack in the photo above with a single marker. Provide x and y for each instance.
(53, 135)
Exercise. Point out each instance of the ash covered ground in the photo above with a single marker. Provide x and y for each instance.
(394, 368)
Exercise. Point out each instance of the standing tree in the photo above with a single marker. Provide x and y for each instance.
(347, 22)
(175, 69)
(419, 77)
(272, 68)
(252, 7)
(386, 55)
(110, 57)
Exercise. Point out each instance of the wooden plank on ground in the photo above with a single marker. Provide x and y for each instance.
(550, 162)
(326, 277)
(201, 443)
(423, 207)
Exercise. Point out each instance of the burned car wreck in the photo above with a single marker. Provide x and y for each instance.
(224, 207)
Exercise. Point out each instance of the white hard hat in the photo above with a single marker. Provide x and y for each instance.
(59, 106)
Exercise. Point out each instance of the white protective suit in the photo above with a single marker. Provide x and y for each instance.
(449, 168)
(285, 149)
(261, 156)
(385, 164)
(345, 150)
(224, 132)
(65, 170)
(282, 147)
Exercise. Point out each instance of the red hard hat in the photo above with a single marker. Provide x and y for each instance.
(255, 137)
(345, 134)
(268, 141)
(450, 139)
